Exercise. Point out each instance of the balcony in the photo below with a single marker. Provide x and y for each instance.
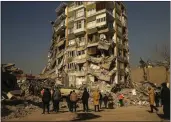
(78, 7)
(80, 73)
(61, 8)
(60, 27)
(60, 18)
(79, 31)
(60, 43)
(118, 8)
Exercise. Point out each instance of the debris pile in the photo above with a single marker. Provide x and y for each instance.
(19, 107)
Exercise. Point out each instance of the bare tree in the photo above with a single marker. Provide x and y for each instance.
(164, 55)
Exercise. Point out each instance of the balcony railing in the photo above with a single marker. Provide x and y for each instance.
(60, 18)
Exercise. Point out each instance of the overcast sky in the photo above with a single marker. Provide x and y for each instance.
(26, 31)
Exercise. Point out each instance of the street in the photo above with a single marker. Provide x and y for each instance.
(131, 113)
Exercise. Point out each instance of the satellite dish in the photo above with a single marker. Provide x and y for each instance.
(102, 36)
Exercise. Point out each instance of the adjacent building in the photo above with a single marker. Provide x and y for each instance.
(89, 44)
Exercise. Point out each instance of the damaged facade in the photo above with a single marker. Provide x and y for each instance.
(89, 44)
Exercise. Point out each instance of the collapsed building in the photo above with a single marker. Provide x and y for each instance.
(89, 44)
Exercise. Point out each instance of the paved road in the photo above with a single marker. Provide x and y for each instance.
(134, 113)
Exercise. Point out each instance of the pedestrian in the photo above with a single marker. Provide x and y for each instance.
(157, 98)
(56, 99)
(151, 99)
(73, 98)
(96, 97)
(105, 99)
(46, 99)
(100, 100)
(85, 98)
(42, 92)
(121, 97)
(165, 98)
(69, 101)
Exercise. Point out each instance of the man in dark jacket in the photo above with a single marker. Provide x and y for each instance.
(46, 99)
(85, 98)
(100, 100)
(165, 98)
(69, 101)
(105, 99)
(56, 99)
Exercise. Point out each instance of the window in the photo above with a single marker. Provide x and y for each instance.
(78, 25)
(78, 3)
(70, 30)
(80, 13)
(70, 19)
(91, 12)
(101, 19)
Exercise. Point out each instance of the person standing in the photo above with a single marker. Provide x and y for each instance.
(100, 100)
(69, 101)
(157, 97)
(73, 98)
(46, 99)
(121, 97)
(96, 97)
(56, 99)
(165, 98)
(85, 98)
(151, 99)
(105, 99)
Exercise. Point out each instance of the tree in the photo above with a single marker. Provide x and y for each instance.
(164, 55)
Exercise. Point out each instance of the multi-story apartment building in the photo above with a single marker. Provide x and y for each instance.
(90, 43)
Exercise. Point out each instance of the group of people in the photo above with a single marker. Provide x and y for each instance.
(165, 99)
(72, 99)
(98, 99)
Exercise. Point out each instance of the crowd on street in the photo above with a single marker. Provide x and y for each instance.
(54, 95)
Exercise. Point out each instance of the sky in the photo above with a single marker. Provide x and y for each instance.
(26, 31)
